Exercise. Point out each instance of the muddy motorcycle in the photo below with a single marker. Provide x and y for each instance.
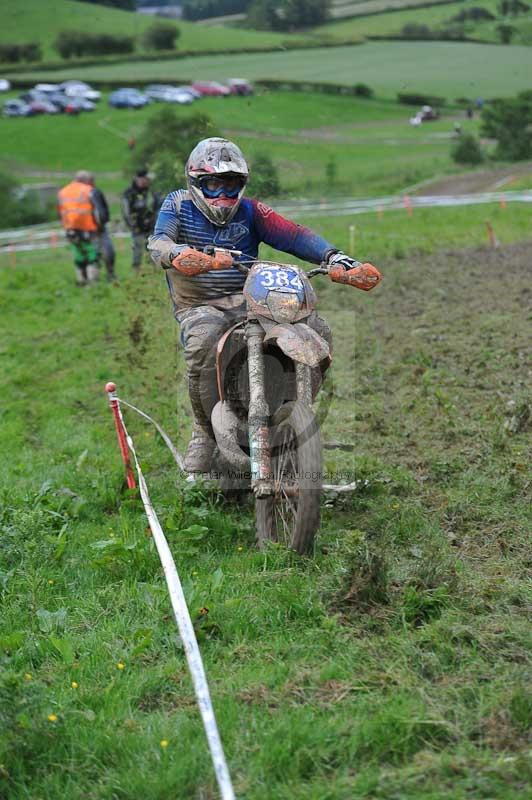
(269, 368)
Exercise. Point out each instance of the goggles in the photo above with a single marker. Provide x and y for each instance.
(213, 186)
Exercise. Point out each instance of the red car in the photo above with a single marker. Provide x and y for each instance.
(211, 88)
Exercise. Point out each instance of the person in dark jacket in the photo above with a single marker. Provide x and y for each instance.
(139, 207)
(105, 244)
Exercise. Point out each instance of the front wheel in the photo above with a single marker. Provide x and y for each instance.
(292, 515)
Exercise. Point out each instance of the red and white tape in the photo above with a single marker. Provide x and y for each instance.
(179, 605)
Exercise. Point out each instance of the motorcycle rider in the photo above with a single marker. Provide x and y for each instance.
(212, 210)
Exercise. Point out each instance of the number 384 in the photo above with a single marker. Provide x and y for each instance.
(280, 278)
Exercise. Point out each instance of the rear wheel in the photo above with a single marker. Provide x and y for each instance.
(292, 515)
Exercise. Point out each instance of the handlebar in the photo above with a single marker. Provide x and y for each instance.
(191, 262)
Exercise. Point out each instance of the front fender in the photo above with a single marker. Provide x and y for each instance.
(299, 342)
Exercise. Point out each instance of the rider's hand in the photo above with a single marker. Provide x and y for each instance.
(194, 262)
(364, 276)
(340, 259)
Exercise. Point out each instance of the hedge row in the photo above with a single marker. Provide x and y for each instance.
(358, 90)
(172, 55)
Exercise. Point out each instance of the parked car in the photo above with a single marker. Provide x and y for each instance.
(128, 98)
(211, 88)
(39, 102)
(82, 104)
(43, 107)
(68, 105)
(5, 85)
(17, 108)
(240, 86)
(80, 89)
(46, 88)
(194, 92)
(168, 94)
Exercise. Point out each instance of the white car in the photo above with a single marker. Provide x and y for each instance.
(47, 88)
(168, 94)
(79, 89)
(5, 85)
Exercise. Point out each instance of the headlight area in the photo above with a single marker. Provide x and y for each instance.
(283, 306)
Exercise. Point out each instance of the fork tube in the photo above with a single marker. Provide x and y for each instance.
(259, 445)
(303, 383)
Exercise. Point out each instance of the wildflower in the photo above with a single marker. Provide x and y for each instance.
(51, 582)
(52, 717)
(240, 548)
(74, 685)
(194, 572)
(28, 676)
(120, 665)
(164, 743)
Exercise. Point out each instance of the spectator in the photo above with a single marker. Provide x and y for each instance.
(80, 212)
(139, 208)
(105, 244)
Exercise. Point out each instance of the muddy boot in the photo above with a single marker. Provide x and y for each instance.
(200, 450)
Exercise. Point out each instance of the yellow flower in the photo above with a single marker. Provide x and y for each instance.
(28, 676)
(51, 582)
(120, 665)
(164, 743)
(240, 548)
(194, 572)
(74, 685)
(52, 717)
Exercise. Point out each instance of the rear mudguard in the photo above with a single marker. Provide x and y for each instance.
(299, 342)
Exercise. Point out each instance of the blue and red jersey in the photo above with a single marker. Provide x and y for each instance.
(181, 222)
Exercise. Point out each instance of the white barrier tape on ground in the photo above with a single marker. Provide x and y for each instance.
(177, 458)
(337, 206)
(188, 637)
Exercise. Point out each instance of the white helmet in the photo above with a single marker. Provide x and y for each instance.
(217, 174)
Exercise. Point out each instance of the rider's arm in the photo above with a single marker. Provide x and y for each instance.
(288, 236)
(162, 245)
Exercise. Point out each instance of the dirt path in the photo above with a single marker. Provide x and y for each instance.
(482, 180)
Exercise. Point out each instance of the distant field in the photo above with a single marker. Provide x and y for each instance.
(354, 9)
(436, 16)
(449, 69)
(41, 20)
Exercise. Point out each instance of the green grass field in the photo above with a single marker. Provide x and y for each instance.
(388, 67)
(373, 148)
(392, 663)
(38, 20)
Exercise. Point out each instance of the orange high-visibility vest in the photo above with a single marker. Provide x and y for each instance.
(75, 207)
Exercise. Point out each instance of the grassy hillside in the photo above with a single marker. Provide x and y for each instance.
(435, 17)
(41, 20)
(388, 67)
(392, 663)
(371, 144)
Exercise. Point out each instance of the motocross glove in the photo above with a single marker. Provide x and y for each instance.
(339, 259)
